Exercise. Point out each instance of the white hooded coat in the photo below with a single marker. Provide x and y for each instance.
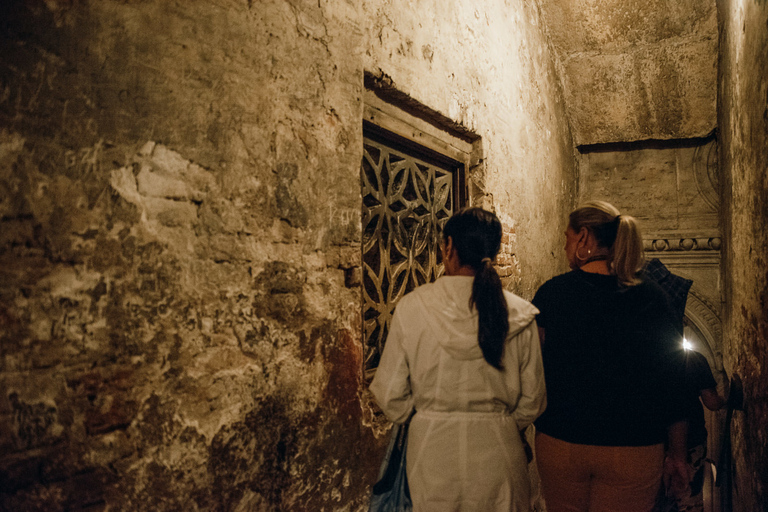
(464, 450)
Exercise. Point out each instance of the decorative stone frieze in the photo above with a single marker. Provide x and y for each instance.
(682, 244)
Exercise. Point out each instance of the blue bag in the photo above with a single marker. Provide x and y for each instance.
(391, 493)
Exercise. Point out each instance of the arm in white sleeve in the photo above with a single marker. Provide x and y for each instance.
(533, 394)
(392, 382)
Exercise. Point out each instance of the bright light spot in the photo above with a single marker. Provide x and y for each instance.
(687, 344)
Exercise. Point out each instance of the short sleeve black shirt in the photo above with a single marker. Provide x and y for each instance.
(698, 377)
(612, 361)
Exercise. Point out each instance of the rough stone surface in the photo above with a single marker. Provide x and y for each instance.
(666, 185)
(743, 120)
(180, 229)
(448, 56)
(636, 70)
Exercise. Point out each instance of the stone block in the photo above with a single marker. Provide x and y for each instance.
(169, 213)
(640, 72)
(123, 182)
(19, 472)
(168, 162)
(35, 424)
(156, 185)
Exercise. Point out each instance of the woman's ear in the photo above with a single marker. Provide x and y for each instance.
(448, 244)
(583, 236)
(449, 255)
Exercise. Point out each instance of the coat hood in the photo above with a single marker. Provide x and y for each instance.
(446, 306)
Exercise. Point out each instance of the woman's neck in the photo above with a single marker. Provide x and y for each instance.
(464, 270)
(596, 267)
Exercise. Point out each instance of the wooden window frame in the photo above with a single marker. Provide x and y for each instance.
(406, 129)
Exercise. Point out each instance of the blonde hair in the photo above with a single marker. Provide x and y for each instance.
(620, 234)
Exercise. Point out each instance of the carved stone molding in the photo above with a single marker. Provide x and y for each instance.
(705, 317)
(682, 244)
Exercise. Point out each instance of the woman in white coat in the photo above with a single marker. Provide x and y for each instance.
(465, 355)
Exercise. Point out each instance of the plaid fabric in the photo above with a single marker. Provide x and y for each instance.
(676, 287)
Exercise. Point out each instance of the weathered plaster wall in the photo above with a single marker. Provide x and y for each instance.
(743, 122)
(177, 222)
(636, 70)
(179, 249)
(669, 186)
(489, 68)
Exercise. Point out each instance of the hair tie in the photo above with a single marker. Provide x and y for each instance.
(617, 219)
(486, 261)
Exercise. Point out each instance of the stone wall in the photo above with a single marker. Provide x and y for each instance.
(670, 186)
(489, 68)
(179, 249)
(743, 121)
(636, 69)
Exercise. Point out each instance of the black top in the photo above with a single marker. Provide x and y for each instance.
(698, 377)
(613, 361)
(676, 287)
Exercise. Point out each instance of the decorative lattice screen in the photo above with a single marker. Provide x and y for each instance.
(406, 202)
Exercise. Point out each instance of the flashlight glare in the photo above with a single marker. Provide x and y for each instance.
(687, 344)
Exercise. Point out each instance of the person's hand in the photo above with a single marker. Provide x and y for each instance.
(677, 475)
(726, 384)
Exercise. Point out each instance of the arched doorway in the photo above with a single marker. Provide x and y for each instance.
(703, 333)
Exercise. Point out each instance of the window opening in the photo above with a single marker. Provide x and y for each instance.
(409, 191)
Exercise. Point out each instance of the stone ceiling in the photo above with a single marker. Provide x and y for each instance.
(636, 69)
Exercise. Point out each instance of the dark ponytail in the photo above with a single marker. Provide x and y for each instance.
(476, 235)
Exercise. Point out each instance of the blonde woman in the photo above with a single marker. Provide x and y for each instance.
(614, 369)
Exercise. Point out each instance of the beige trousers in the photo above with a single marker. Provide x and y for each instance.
(586, 478)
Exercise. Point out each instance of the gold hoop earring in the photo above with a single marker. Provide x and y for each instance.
(583, 258)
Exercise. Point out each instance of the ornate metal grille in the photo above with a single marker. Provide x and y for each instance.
(406, 202)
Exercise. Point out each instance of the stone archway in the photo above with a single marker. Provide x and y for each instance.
(703, 329)
(702, 317)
